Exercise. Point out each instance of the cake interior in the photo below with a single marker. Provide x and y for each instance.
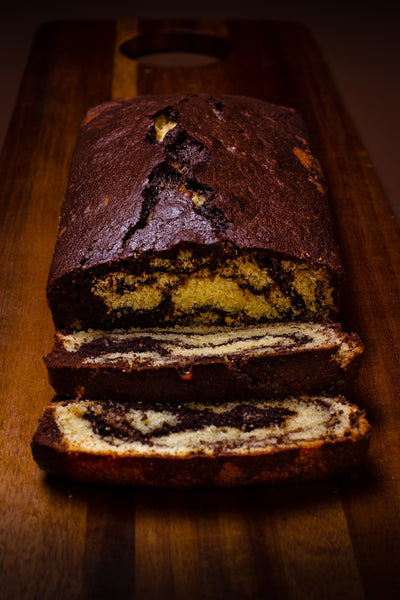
(192, 288)
(191, 428)
(179, 345)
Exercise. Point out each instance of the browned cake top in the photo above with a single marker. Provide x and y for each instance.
(152, 173)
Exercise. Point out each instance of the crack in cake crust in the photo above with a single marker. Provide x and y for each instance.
(181, 153)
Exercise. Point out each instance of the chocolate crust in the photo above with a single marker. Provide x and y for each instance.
(307, 462)
(255, 157)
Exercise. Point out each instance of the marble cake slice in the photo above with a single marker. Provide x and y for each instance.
(193, 444)
(208, 363)
(193, 210)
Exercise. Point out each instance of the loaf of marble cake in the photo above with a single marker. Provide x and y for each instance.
(193, 286)
(193, 444)
(193, 210)
(204, 363)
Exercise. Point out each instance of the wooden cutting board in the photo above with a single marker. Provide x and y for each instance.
(337, 539)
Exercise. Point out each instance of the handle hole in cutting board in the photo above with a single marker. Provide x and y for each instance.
(175, 49)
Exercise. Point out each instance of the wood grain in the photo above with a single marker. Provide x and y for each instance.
(338, 539)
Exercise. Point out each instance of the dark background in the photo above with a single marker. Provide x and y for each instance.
(360, 43)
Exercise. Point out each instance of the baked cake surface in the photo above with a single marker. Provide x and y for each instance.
(194, 444)
(193, 209)
(203, 363)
